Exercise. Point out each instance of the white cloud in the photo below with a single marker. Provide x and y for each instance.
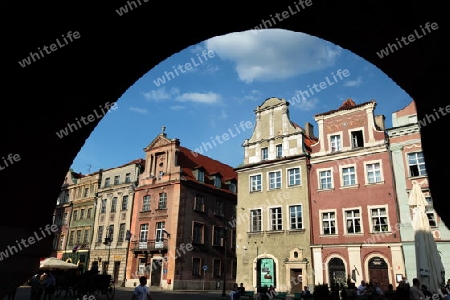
(139, 110)
(161, 94)
(302, 103)
(356, 82)
(208, 98)
(273, 54)
(177, 107)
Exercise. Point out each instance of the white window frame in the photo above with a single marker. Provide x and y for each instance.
(289, 217)
(143, 232)
(366, 177)
(330, 141)
(279, 150)
(336, 230)
(417, 164)
(260, 220)
(277, 185)
(288, 176)
(251, 183)
(351, 140)
(201, 175)
(319, 187)
(264, 150)
(344, 219)
(278, 220)
(369, 213)
(341, 175)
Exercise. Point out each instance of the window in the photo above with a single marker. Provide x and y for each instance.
(295, 215)
(116, 180)
(335, 142)
(276, 219)
(75, 215)
(103, 209)
(78, 237)
(279, 150)
(275, 180)
(196, 266)
(217, 236)
(255, 220)
(201, 175)
(146, 203)
(143, 233)
(325, 180)
(72, 233)
(431, 216)
(107, 183)
(197, 234)
(353, 221)
(128, 178)
(86, 193)
(86, 236)
(329, 222)
(162, 203)
(217, 182)
(65, 218)
(357, 139)
(89, 213)
(82, 214)
(125, 202)
(232, 187)
(373, 173)
(100, 234)
(160, 226)
(111, 232)
(379, 220)
(294, 176)
(114, 204)
(217, 267)
(348, 176)
(121, 232)
(255, 183)
(265, 153)
(416, 163)
(218, 209)
(199, 204)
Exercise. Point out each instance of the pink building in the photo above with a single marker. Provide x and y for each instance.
(355, 228)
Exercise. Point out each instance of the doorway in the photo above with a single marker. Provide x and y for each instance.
(116, 271)
(156, 272)
(378, 272)
(296, 281)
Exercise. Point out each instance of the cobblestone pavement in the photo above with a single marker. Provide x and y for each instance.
(121, 293)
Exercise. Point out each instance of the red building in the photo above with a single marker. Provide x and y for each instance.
(355, 228)
(181, 207)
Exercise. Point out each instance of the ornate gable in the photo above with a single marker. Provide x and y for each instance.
(159, 141)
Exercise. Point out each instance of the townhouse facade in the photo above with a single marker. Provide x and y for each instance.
(272, 215)
(355, 222)
(179, 237)
(112, 220)
(81, 222)
(62, 214)
(408, 166)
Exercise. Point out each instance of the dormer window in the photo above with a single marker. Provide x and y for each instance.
(335, 142)
(357, 139)
(265, 153)
(217, 181)
(201, 175)
(232, 187)
(279, 149)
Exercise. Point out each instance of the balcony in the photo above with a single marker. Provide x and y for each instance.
(149, 246)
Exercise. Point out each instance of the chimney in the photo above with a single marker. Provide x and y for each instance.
(309, 129)
(379, 121)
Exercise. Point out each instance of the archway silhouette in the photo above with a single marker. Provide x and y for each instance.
(113, 51)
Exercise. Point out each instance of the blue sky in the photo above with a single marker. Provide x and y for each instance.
(228, 77)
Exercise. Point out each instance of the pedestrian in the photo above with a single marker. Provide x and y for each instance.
(142, 292)
(49, 286)
(415, 292)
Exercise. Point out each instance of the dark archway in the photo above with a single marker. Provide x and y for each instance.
(113, 51)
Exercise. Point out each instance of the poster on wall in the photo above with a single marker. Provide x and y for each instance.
(267, 272)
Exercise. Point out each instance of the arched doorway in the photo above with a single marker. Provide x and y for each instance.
(336, 271)
(266, 272)
(378, 271)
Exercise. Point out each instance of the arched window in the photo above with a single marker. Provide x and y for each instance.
(336, 271)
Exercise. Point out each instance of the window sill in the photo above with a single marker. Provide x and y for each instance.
(198, 210)
(329, 235)
(275, 232)
(145, 211)
(353, 186)
(417, 177)
(295, 230)
(255, 191)
(161, 209)
(380, 232)
(274, 189)
(294, 185)
(374, 183)
(354, 234)
(325, 190)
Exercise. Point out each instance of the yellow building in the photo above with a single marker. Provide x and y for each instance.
(272, 214)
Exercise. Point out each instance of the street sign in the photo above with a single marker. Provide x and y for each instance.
(205, 267)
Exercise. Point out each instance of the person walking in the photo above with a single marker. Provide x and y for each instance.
(142, 292)
(415, 292)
